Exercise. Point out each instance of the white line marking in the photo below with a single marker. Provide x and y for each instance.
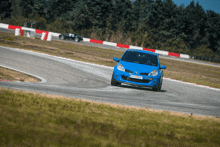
(42, 79)
(27, 51)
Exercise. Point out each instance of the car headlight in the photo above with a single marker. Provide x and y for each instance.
(120, 67)
(153, 73)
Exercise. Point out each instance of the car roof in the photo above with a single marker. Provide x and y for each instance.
(142, 51)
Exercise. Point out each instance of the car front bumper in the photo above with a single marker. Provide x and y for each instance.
(124, 77)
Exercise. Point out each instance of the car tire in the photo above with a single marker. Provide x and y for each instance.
(114, 82)
(76, 39)
(158, 87)
(62, 37)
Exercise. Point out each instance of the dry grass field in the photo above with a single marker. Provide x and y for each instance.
(11, 75)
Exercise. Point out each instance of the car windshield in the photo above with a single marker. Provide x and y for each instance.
(140, 58)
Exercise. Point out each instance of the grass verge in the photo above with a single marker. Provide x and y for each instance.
(188, 72)
(11, 75)
(30, 119)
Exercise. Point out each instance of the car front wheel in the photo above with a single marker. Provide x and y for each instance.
(158, 87)
(114, 82)
(76, 39)
(62, 37)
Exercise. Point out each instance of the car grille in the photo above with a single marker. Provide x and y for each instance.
(145, 74)
(135, 80)
(128, 71)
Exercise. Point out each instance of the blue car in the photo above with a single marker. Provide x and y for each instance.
(138, 67)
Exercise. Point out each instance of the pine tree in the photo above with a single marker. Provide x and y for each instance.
(5, 9)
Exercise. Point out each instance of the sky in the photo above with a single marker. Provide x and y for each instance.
(213, 5)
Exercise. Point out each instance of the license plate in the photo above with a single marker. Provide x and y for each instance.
(136, 77)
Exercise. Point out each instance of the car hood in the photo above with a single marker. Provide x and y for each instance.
(141, 68)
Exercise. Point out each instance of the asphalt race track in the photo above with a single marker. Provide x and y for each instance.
(77, 79)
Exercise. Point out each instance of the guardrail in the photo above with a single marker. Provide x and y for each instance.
(48, 36)
(45, 34)
(161, 52)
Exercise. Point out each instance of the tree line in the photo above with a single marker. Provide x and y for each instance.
(158, 24)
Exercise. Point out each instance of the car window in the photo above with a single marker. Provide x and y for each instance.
(140, 58)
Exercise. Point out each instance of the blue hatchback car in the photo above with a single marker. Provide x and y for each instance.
(138, 67)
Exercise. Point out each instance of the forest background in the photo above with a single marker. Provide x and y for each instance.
(152, 24)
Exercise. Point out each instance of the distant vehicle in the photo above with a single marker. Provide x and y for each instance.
(140, 68)
(71, 36)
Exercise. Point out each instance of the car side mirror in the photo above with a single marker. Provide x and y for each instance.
(163, 67)
(116, 59)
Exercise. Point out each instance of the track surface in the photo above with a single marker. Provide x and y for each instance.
(76, 79)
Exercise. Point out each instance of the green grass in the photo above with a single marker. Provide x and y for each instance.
(30, 119)
(11, 75)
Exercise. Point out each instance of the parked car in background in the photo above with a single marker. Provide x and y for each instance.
(140, 68)
(71, 36)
